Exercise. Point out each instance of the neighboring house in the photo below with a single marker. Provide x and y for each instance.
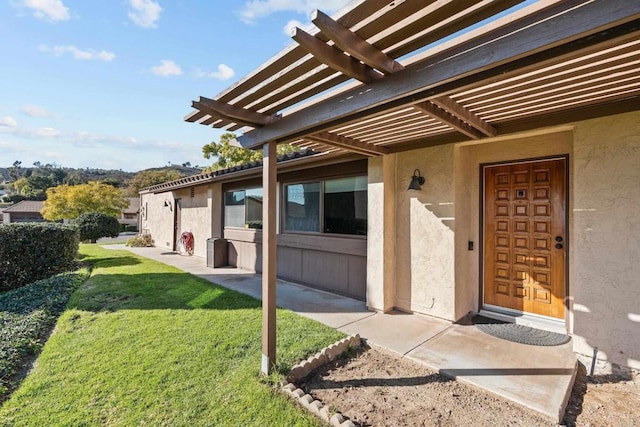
(24, 211)
(129, 216)
(526, 131)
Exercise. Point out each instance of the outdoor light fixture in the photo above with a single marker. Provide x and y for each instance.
(167, 204)
(416, 180)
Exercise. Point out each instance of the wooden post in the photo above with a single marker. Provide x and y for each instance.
(269, 257)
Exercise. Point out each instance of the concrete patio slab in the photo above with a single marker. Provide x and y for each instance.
(539, 378)
(396, 331)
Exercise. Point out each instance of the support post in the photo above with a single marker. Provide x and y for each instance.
(269, 257)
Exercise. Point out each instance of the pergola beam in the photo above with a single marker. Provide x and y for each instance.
(334, 58)
(354, 45)
(569, 28)
(346, 143)
(449, 119)
(458, 110)
(233, 114)
(194, 116)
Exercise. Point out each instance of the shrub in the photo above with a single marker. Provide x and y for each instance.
(140, 241)
(94, 225)
(26, 316)
(32, 251)
(129, 227)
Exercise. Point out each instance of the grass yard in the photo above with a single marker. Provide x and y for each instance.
(143, 343)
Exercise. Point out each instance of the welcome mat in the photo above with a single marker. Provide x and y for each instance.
(518, 333)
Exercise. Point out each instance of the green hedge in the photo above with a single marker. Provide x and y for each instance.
(32, 251)
(26, 316)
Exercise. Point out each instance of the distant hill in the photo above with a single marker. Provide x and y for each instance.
(48, 175)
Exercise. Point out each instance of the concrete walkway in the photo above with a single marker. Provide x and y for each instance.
(539, 378)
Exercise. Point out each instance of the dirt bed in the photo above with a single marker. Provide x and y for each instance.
(379, 388)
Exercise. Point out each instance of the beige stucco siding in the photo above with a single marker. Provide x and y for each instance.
(196, 216)
(605, 254)
(157, 219)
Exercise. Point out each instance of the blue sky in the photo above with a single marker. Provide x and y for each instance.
(106, 83)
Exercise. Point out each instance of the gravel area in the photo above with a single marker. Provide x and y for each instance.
(379, 388)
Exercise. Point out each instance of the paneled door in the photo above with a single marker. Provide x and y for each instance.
(525, 237)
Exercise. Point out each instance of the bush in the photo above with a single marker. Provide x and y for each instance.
(32, 251)
(129, 227)
(94, 225)
(140, 241)
(26, 316)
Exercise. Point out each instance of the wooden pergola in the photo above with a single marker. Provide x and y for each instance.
(382, 77)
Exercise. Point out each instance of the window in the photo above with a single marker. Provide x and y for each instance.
(336, 206)
(130, 216)
(243, 208)
(345, 206)
(303, 207)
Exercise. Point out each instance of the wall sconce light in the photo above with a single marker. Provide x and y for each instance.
(416, 180)
(167, 204)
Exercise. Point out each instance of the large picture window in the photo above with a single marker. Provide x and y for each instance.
(337, 206)
(243, 208)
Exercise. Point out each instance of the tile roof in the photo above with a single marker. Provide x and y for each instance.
(26, 206)
(211, 176)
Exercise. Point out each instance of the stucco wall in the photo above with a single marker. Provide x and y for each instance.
(196, 216)
(414, 229)
(157, 218)
(606, 238)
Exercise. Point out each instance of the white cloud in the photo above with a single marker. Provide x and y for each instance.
(8, 122)
(47, 132)
(224, 73)
(35, 111)
(256, 9)
(289, 26)
(145, 13)
(167, 68)
(87, 54)
(50, 10)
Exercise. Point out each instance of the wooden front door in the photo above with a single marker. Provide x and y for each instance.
(524, 237)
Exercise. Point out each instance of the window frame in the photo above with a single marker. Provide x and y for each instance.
(321, 180)
(244, 206)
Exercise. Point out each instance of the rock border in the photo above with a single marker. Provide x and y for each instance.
(304, 368)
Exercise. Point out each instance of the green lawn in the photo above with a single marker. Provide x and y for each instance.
(143, 343)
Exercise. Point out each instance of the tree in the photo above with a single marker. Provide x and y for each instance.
(147, 178)
(112, 182)
(228, 156)
(69, 202)
(15, 171)
(94, 225)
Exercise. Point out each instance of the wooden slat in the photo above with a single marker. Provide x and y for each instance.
(335, 58)
(347, 143)
(442, 31)
(474, 12)
(354, 45)
(551, 82)
(399, 11)
(462, 113)
(574, 67)
(422, 80)
(194, 116)
(357, 12)
(449, 119)
(586, 96)
(237, 114)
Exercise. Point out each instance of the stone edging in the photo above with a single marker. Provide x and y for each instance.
(304, 368)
